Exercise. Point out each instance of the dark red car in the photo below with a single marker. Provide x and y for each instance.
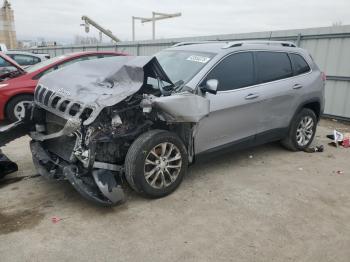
(17, 84)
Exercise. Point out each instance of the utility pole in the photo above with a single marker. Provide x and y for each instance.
(88, 21)
(155, 17)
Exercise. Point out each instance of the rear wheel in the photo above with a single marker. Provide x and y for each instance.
(302, 131)
(16, 108)
(156, 163)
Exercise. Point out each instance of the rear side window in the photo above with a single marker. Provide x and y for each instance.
(235, 71)
(273, 66)
(300, 66)
(25, 59)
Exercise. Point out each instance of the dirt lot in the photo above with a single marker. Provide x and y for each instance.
(262, 204)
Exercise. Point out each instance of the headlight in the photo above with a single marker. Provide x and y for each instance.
(3, 85)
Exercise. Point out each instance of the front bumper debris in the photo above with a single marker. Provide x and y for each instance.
(6, 165)
(98, 186)
(13, 131)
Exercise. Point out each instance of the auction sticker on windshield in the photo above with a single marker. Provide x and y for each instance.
(199, 59)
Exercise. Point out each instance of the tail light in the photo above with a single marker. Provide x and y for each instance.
(323, 76)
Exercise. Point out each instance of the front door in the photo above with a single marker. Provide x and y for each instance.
(234, 110)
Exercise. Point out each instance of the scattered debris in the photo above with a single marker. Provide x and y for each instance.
(300, 169)
(314, 149)
(346, 140)
(251, 156)
(55, 220)
(339, 172)
(339, 139)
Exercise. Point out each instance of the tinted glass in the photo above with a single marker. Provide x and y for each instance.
(67, 63)
(273, 66)
(25, 59)
(299, 64)
(234, 72)
(4, 63)
(45, 63)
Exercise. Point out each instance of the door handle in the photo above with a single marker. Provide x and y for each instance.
(251, 96)
(297, 86)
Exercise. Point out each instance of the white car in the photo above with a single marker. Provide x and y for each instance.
(27, 59)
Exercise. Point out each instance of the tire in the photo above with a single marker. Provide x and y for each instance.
(136, 168)
(293, 140)
(16, 104)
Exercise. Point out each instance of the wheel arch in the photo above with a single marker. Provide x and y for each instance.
(314, 104)
(14, 97)
(184, 131)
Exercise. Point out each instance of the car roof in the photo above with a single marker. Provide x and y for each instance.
(224, 47)
(21, 52)
(82, 53)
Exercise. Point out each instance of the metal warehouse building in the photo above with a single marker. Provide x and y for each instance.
(329, 46)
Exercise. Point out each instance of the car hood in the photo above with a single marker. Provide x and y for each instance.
(96, 84)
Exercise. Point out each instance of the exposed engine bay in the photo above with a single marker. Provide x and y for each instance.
(84, 119)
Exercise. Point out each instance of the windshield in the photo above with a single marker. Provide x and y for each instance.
(183, 65)
(44, 63)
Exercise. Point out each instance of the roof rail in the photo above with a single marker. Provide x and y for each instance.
(259, 42)
(194, 43)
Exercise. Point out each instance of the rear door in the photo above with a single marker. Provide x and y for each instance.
(275, 77)
(234, 110)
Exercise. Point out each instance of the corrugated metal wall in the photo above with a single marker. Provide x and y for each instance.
(330, 47)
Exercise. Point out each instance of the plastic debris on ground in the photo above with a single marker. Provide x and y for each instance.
(314, 149)
(339, 139)
(55, 220)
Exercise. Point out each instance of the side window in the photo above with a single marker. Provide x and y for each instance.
(64, 64)
(92, 57)
(73, 61)
(300, 66)
(108, 55)
(272, 66)
(26, 59)
(4, 63)
(235, 71)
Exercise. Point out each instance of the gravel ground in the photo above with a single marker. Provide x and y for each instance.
(261, 204)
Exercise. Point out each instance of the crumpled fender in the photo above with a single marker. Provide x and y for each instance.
(181, 107)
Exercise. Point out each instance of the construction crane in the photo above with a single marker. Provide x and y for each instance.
(155, 17)
(88, 21)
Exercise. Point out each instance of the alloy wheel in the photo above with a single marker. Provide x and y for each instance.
(162, 165)
(305, 131)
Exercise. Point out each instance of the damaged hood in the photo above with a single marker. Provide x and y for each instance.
(95, 84)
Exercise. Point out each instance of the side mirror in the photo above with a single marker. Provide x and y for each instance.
(211, 86)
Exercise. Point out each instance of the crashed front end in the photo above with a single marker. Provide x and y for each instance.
(85, 117)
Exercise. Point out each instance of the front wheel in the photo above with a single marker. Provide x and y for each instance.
(16, 108)
(156, 163)
(302, 131)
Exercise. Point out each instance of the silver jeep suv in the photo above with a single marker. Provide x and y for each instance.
(142, 120)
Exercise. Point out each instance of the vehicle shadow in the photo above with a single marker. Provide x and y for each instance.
(231, 157)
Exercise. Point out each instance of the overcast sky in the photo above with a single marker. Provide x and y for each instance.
(60, 20)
